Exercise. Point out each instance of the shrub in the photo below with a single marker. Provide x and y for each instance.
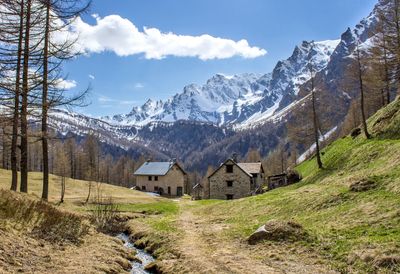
(42, 219)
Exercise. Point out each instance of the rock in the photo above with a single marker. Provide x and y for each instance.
(293, 176)
(153, 268)
(355, 132)
(278, 231)
(363, 185)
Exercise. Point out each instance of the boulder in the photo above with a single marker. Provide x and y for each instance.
(293, 176)
(278, 231)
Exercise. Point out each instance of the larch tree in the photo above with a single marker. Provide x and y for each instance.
(360, 70)
(59, 14)
(316, 130)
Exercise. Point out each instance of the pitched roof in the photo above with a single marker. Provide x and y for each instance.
(155, 168)
(252, 168)
(247, 168)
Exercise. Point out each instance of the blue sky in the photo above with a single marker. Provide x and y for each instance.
(121, 78)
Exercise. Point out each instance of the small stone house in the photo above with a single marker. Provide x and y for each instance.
(234, 180)
(276, 181)
(164, 178)
(197, 192)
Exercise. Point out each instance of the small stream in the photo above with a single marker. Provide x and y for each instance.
(146, 258)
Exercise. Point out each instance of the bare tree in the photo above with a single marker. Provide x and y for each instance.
(314, 109)
(360, 73)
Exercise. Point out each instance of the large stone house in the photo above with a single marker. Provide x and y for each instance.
(234, 180)
(165, 178)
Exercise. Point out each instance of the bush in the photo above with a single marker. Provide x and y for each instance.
(105, 215)
(41, 219)
(293, 176)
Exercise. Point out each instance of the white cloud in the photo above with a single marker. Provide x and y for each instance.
(107, 101)
(139, 85)
(92, 76)
(119, 35)
(66, 84)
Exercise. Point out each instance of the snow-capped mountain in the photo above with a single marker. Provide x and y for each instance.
(235, 113)
(225, 100)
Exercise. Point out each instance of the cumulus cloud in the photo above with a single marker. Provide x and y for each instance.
(66, 84)
(119, 35)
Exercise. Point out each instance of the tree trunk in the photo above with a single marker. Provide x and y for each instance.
(14, 141)
(362, 103)
(316, 135)
(315, 117)
(45, 146)
(387, 74)
(397, 22)
(24, 106)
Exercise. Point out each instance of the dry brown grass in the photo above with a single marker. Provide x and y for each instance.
(76, 190)
(37, 237)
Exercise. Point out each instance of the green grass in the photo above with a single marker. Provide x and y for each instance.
(341, 223)
(166, 207)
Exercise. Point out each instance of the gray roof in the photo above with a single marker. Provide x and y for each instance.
(154, 168)
(252, 168)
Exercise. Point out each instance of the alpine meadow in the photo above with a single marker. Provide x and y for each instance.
(227, 136)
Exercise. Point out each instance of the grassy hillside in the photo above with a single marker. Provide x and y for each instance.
(77, 190)
(349, 231)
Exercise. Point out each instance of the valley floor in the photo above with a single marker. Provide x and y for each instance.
(206, 249)
(350, 227)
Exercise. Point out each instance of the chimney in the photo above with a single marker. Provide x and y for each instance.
(235, 157)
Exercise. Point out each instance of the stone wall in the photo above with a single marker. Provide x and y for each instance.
(174, 178)
(218, 183)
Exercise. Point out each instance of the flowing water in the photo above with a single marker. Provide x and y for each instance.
(146, 258)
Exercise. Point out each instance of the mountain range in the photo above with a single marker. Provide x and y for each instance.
(206, 123)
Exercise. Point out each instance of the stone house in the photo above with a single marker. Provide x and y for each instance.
(276, 181)
(198, 192)
(234, 180)
(164, 178)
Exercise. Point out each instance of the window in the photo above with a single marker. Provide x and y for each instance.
(229, 196)
(150, 178)
(169, 190)
(156, 188)
(144, 188)
(229, 168)
(229, 183)
(155, 178)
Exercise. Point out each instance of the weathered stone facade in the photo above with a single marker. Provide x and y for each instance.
(233, 182)
(171, 184)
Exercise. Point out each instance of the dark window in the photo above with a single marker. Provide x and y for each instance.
(143, 187)
(229, 196)
(229, 183)
(155, 178)
(255, 175)
(169, 190)
(229, 168)
(156, 188)
(150, 178)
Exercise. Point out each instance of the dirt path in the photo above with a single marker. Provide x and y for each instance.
(204, 250)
